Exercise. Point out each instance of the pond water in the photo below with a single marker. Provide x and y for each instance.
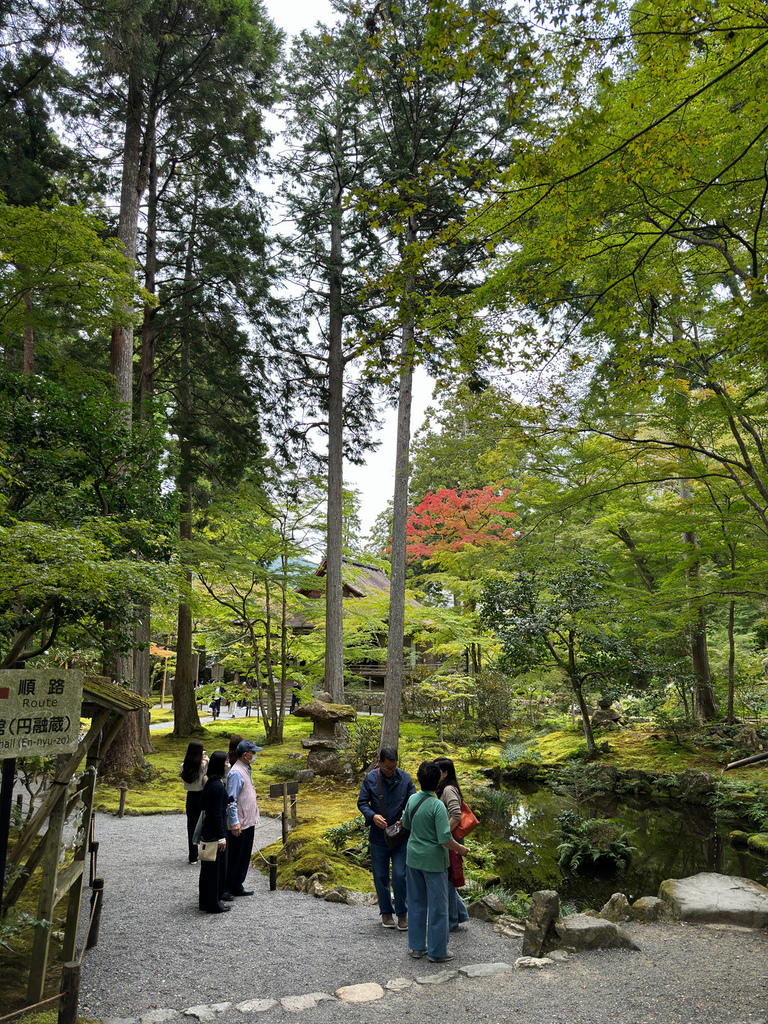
(671, 840)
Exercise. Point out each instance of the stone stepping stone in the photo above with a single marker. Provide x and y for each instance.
(367, 992)
(308, 1001)
(207, 1011)
(256, 1005)
(484, 970)
(437, 979)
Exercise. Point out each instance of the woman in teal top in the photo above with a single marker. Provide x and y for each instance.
(427, 868)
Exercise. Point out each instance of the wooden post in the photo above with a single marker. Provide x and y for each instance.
(272, 872)
(286, 789)
(47, 899)
(93, 849)
(6, 801)
(70, 993)
(97, 898)
(165, 677)
(84, 849)
(121, 808)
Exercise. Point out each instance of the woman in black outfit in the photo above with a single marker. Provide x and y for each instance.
(212, 872)
(193, 769)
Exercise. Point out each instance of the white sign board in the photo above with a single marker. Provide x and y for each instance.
(39, 711)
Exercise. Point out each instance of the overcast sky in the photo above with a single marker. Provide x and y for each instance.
(376, 480)
(294, 15)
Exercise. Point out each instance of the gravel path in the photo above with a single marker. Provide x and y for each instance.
(156, 950)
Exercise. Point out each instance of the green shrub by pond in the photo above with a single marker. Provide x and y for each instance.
(592, 844)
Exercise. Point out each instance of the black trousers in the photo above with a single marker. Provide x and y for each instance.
(194, 806)
(212, 873)
(239, 850)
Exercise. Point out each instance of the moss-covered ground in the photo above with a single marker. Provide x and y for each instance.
(640, 747)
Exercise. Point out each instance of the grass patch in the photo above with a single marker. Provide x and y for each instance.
(640, 748)
(159, 716)
(163, 792)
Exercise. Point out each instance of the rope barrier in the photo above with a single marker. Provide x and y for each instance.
(87, 933)
(34, 1006)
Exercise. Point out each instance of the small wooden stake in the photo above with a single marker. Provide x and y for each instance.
(93, 849)
(272, 872)
(97, 899)
(70, 993)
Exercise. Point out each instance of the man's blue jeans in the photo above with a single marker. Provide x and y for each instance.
(381, 858)
(457, 909)
(428, 912)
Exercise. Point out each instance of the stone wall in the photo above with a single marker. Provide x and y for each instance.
(365, 700)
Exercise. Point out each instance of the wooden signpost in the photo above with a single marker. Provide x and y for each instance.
(286, 789)
(40, 712)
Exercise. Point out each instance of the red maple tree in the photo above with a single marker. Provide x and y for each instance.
(449, 522)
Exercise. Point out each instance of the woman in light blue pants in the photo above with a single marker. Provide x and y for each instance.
(427, 868)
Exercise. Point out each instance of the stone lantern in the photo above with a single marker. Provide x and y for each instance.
(323, 745)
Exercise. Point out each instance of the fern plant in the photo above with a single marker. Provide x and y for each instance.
(597, 844)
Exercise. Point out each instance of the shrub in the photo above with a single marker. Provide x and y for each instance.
(348, 832)
(351, 839)
(516, 753)
(283, 770)
(494, 701)
(491, 801)
(16, 922)
(594, 843)
(360, 744)
(476, 748)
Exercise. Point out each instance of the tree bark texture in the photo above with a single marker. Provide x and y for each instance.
(185, 717)
(28, 358)
(131, 189)
(124, 754)
(149, 330)
(142, 683)
(126, 750)
(334, 607)
(705, 703)
(390, 722)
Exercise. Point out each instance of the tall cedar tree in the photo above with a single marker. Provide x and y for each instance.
(438, 79)
(194, 68)
(332, 248)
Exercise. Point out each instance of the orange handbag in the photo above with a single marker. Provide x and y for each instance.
(467, 822)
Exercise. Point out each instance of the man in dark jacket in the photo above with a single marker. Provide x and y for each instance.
(383, 795)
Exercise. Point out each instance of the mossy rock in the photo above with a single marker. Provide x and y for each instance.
(738, 838)
(758, 843)
(636, 780)
(307, 853)
(602, 777)
(527, 770)
(696, 785)
(485, 878)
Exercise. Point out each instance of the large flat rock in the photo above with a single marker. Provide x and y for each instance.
(709, 898)
(581, 931)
